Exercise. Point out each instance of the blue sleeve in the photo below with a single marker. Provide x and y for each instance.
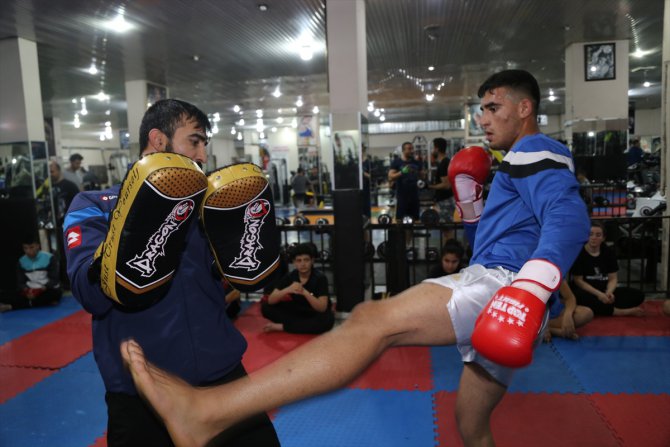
(85, 228)
(552, 193)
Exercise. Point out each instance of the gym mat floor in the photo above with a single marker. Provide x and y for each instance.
(609, 388)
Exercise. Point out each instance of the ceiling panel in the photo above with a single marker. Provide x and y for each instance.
(217, 53)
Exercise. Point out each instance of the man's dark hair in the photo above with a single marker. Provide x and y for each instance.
(454, 247)
(440, 144)
(29, 239)
(306, 248)
(595, 223)
(518, 80)
(167, 115)
(75, 157)
(403, 145)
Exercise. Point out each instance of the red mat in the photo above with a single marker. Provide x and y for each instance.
(52, 346)
(402, 369)
(533, 419)
(264, 347)
(16, 380)
(654, 323)
(638, 419)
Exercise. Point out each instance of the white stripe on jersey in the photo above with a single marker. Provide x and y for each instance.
(526, 158)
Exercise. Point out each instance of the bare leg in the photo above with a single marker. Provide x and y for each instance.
(193, 416)
(478, 395)
(582, 315)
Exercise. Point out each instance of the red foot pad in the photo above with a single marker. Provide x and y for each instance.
(52, 346)
(654, 323)
(402, 369)
(100, 442)
(549, 420)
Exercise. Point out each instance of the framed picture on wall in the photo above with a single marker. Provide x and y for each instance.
(599, 61)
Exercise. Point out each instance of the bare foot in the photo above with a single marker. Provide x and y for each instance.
(173, 399)
(273, 327)
(630, 312)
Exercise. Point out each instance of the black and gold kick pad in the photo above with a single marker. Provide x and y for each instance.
(158, 200)
(239, 219)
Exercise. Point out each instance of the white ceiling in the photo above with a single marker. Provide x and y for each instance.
(244, 53)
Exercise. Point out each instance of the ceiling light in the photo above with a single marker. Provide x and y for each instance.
(262, 7)
(377, 113)
(93, 69)
(101, 96)
(102, 136)
(277, 92)
(118, 24)
(236, 108)
(639, 53)
(108, 112)
(294, 123)
(305, 46)
(430, 97)
(552, 98)
(647, 84)
(371, 106)
(216, 117)
(259, 113)
(274, 129)
(240, 122)
(431, 68)
(298, 103)
(591, 134)
(315, 110)
(233, 131)
(215, 129)
(280, 120)
(239, 136)
(382, 118)
(261, 135)
(259, 125)
(195, 57)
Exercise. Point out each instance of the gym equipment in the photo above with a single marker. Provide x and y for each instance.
(381, 250)
(300, 221)
(432, 254)
(430, 217)
(407, 220)
(384, 219)
(368, 251)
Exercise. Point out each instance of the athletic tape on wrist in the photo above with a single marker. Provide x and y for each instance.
(541, 272)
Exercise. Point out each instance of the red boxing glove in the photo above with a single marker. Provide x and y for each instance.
(506, 330)
(467, 172)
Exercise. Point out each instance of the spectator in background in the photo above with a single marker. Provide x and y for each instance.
(566, 315)
(451, 259)
(38, 282)
(75, 173)
(595, 279)
(63, 190)
(444, 196)
(299, 302)
(300, 185)
(405, 171)
(634, 153)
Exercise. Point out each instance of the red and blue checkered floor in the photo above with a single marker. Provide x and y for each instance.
(610, 388)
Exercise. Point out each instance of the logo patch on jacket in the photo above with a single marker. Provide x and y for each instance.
(73, 237)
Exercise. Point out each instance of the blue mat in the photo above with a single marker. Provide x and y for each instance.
(619, 364)
(17, 323)
(446, 367)
(64, 410)
(358, 418)
(547, 374)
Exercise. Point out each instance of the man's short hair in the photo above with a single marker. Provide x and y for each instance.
(517, 80)
(167, 115)
(402, 146)
(30, 239)
(76, 157)
(306, 248)
(440, 144)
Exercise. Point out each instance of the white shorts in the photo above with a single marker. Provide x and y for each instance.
(472, 289)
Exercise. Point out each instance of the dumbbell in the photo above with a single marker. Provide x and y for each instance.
(407, 220)
(368, 251)
(430, 217)
(432, 254)
(324, 255)
(384, 219)
(321, 221)
(381, 250)
(421, 184)
(411, 254)
(300, 221)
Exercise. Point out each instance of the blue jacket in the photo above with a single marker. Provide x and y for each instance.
(533, 210)
(187, 332)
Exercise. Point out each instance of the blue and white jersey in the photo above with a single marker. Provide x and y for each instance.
(534, 209)
(187, 332)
